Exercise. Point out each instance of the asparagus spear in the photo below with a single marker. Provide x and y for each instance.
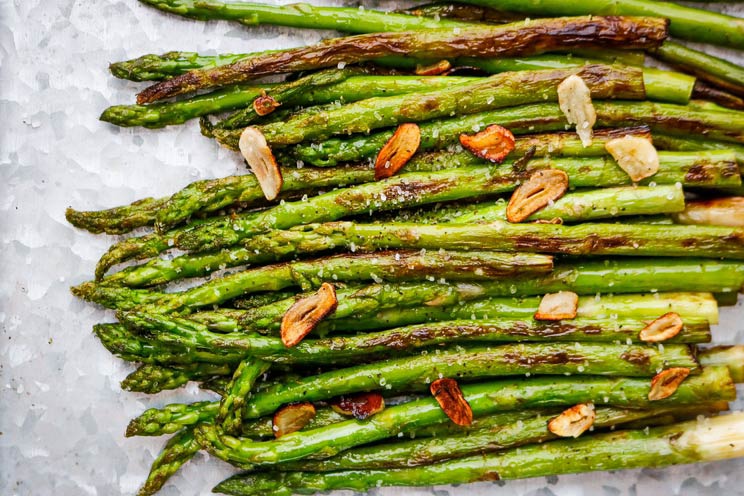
(488, 41)
(153, 67)
(692, 143)
(580, 239)
(171, 418)
(277, 245)
(695, 390)
(176, 452)
(707, 92)
(117, 220)
(365, 347)
(583, 205)
(230, 413)
(714, 70)
(630, 275)
(662, 118)
(207, 196)
(665, 86)
(347, 19)
(649, 308)
(401, 265)
(400, 191)
(393, 305)
(126, 345)
(151, 378)
(501, 90)
(716, 439)
(685, 22)
(211, 195)
(303, 92)
(484, 398)
(411, 373)
(730, 356)
(508, 430)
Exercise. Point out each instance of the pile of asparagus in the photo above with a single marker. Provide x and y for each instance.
(472, 244)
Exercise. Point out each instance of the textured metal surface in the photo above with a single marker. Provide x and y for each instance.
(62, 414)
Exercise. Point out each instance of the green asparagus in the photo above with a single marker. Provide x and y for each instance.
(662, 118)
(365, 347)
(502, 90)
(151, 378)
(718, 438)
(488, 41)
(684, 22)
(399, 265)
(484, 398)
(230, 413)
(407, 190)
(176, 452)
(512, 429)
(208, 196)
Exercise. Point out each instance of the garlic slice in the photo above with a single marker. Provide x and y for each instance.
(636, 156)
(575, 101)
(256, 152)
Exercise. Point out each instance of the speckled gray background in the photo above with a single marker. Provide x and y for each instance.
(62, 414)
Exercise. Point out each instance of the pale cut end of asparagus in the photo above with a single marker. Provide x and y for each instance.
(256, 152)
(575, 101)
(716, 212)
(636, 156)
(717, 438)
(731, 357)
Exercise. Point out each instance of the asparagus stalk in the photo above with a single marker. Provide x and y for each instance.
(730, 356)
(347, 19)
(717, 438)
(685, 22)
(664, 86)
(153, 67)
(353, 349)
(415, 373)
(692, 143)
(171, 418)
(501, 90)
(584, 206)
(151, 378)
(695, 390)
(126, 345)
(400, 191)
(488, 307)
(689, 23)
(401, 265)
(160, 115)
(118, 220)
(664, 118)
(714, 70)
(304, 92)
(394, 305)
(488, 41)
(208, 196)
(580, 239)
(508, 430)
(230, 413)
(707, 92)
(484, 399)
(629, 275)
(177, 451)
